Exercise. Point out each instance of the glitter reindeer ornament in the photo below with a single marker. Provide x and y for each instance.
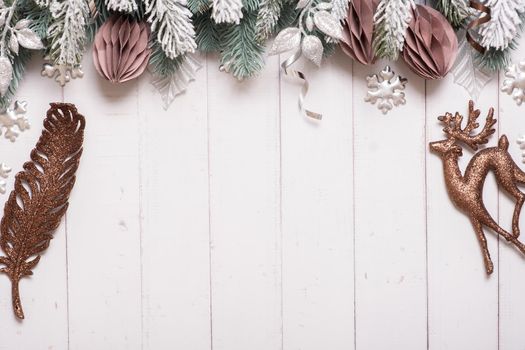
(466, 190)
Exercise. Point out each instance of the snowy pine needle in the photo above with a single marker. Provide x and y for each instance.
(505, 20)
(227, 11)
(171, 20)
(391, 22)
(67, 31)
(267, 18)
(126, 6)
(456, 11)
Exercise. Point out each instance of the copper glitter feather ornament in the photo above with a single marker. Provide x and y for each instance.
(40, 197)
(358, 31)
(466, 191)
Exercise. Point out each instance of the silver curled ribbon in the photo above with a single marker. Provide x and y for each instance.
(298, 74)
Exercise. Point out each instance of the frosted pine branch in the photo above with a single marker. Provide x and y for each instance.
(126, 6)
(171, 20)
(267, 18)
(456, 11)
(42, 3)
(391, 22)
(505, 20)
(227, 11)
(67, 31)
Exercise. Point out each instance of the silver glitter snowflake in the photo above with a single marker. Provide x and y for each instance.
(14, 120)
(386, 89)
(514, 83)
(4, 173)
(62, 72)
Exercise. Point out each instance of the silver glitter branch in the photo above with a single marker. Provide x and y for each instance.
(68, 31)
(171, 19)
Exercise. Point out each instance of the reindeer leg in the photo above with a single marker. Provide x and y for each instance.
(490, 223)
(478, 228)
(520, 198)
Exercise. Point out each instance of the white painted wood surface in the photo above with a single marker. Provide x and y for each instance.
(231, 222)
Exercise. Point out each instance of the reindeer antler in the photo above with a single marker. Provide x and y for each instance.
(454, 131)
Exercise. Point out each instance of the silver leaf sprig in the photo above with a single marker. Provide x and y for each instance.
(13, 35)
(302, 38)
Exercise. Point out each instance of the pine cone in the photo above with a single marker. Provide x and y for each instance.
(121, 51)
(431, 45)
(358, 31)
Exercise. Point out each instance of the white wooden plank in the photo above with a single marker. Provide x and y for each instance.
(175, 229)
(44, 295)
(511, 264)
(390, 217)
(463, 301)
(103, 220)
(244, 209)
(317, 210)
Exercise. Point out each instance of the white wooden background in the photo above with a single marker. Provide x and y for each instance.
(231, 222)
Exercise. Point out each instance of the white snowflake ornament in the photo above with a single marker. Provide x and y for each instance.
(386, 89)
(4, 173)
(62, 72)
(514, 83)
(14, 120)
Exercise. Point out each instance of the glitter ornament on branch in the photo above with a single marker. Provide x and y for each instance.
(40, 196)
(311, 18)
(61, 73)
(386, 89)
(302, 40)
(6, 74)
(13, 121)
(358, 31)
(12, 37)
(466, 190)
(120, 50)
(340, 9)
(431, 45)
(4, 174)
(514, 83)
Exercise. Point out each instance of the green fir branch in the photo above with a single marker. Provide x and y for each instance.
(455, 11)
(289, 16)
(199, 6)
(161, 64)
(242, 55)
(250, 5)
(208, 35)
